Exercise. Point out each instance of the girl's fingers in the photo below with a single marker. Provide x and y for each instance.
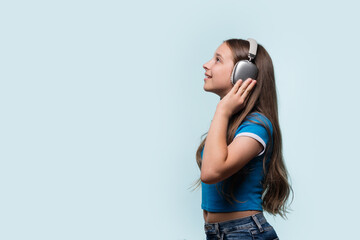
(243, 88)
(248, 89)
(236, 86)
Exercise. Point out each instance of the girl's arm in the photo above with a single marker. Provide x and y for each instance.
(215, 149)
(221, 161)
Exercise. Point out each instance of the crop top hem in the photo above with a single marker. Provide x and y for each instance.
(231, 210)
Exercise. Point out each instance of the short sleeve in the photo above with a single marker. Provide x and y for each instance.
(255, 130)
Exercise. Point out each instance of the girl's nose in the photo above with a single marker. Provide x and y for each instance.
(205, 66)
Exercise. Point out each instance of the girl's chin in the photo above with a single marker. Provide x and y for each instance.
(206, 89)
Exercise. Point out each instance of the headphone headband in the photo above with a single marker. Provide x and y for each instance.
(252, 49)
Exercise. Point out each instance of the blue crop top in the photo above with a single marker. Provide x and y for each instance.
(250, 191)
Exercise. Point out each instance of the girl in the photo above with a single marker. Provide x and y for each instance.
(240, 159)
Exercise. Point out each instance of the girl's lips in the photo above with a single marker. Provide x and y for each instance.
(206, 78)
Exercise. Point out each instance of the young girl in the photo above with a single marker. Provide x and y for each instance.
(240, 159)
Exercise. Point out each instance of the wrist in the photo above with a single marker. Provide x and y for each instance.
(222, 112)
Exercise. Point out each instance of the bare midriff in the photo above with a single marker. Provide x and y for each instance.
(213, 217)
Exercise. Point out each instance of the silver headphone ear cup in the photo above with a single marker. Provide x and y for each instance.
(244, 70)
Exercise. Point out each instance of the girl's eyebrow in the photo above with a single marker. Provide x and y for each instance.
(218, 54)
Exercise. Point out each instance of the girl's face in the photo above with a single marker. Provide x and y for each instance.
(218, 71)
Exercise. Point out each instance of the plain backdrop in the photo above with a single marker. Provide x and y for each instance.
(103, 108)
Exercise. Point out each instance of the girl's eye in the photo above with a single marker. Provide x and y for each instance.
(217, 59)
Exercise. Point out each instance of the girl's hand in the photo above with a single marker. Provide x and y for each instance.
(235, 100)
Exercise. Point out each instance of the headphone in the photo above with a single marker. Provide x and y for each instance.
(245, 69)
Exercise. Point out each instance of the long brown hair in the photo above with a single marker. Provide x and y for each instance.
(263, 99)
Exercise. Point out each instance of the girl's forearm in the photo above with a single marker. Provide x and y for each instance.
(215, 149)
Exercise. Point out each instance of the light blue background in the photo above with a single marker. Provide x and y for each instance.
(102, 110)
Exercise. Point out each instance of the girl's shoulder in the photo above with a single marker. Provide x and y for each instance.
(259, 118)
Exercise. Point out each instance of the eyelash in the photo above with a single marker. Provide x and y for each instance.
(217, 58)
